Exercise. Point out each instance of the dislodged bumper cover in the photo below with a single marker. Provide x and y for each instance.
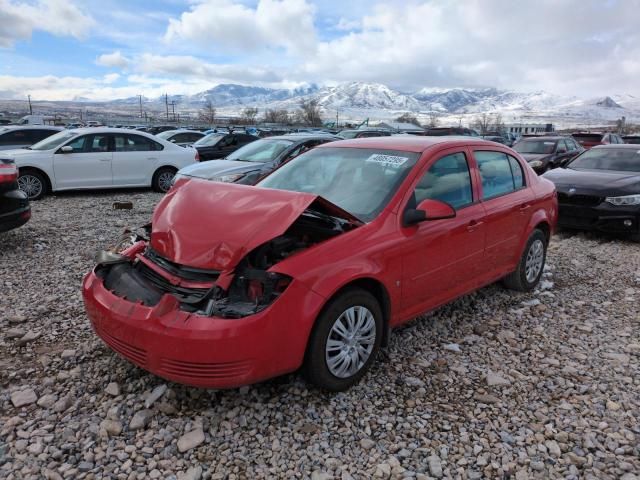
(214, 225)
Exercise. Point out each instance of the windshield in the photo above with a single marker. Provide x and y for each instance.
(260, 151)
(54, 141)
(360, 181)
(618, 159)
(535, 146)
(209, 140)
(166, 134)
(348, 134)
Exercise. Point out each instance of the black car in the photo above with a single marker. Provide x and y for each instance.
(220, 145)
(547, 152)
(14, 204)
(632, 139)
(349, 134)
(251, 162)
(12, 137)
(600, 190)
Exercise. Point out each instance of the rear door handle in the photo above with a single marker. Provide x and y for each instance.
(152, 158)
(524, 207)
(105, 159)
(474, 224)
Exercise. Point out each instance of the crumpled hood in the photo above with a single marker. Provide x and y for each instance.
(214, 225)
(214, 168)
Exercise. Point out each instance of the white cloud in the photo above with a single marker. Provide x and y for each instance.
(284, 24)
(115, 59)
(187, 66)
(111, 78)
(18, 19)
(537, 45)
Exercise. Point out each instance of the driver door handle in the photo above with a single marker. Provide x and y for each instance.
(524, 207)
(105, 159)
(473, 225)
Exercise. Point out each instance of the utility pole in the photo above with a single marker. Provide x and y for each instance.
(166, 104)
(173, 109)
(30, 108)
(337, 117)
(140, 98)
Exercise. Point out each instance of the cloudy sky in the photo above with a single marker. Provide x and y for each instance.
(104, 49)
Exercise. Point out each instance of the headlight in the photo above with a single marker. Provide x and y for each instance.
(625, 200)
(535, 164)
(232, 177)
(175, 178)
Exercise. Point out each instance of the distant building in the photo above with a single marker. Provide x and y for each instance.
(400, 127)
(528, 128)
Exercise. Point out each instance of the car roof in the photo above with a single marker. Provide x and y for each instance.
(182, 130)
(31, 127)
(544, 137)
(409, 143)
(613, 146)
(302, 137)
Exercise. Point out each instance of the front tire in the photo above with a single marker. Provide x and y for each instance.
(345, 341)
(162, 179)
(33, 183)
(527, 275)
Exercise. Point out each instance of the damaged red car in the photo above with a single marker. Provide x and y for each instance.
(232, 284)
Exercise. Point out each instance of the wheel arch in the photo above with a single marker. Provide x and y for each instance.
(47, 177)
(378, 290)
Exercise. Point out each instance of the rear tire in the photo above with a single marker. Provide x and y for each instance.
(161, 181)
(345, 341)
(526, 277)
(33, 183)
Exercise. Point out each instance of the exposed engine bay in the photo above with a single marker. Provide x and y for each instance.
(135, 271)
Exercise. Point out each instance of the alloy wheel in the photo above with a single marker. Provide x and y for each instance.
(164, 181)
(535, 260)
(30, 184)
(351, 341)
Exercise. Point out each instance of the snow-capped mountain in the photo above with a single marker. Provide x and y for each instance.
(230, 95)
(359, 100)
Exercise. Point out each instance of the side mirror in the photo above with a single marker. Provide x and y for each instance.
(66, 149)
(561, 150)
(173, 140)
(428, 210)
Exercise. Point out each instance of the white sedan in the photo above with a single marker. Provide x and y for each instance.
(99, 158)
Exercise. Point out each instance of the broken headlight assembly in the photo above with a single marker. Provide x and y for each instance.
(250, 292)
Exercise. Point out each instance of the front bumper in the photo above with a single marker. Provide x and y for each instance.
(204, 351)
(14, 210)
(603, 218)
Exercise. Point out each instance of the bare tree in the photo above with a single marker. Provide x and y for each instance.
(621, 125)
(309, 113)
(249, 115)
(482, 123)
(433, 119)
(276, 116)
(408, 118)
(498, 124)
(208, 113)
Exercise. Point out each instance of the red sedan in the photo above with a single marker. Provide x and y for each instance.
(233, 284)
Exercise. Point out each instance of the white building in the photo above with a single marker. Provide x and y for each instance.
(528, 128)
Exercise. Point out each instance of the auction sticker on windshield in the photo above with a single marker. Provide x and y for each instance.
(387, 160)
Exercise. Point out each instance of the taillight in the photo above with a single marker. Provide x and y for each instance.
(197, 156)
(8, 172)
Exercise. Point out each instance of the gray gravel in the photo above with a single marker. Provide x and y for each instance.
(495, 385)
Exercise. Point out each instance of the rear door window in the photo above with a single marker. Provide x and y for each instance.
(496, 174)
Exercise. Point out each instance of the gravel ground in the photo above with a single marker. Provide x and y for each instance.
(495, 385)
